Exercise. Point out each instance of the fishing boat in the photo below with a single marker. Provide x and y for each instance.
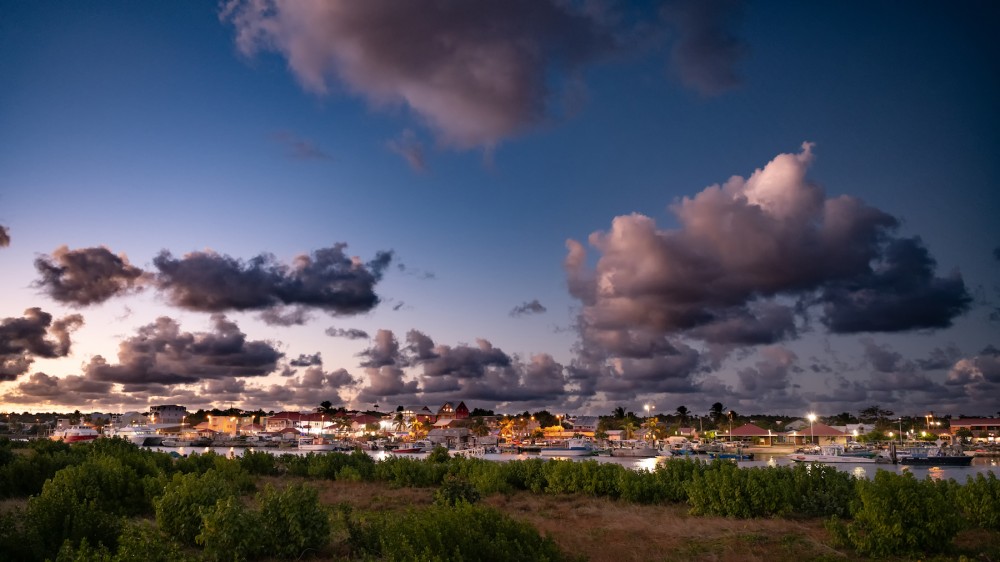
(569, 448)
(933, 456)
(831, 454)
(422, 446)
(74, 434)
(317, 444)
(636, 449)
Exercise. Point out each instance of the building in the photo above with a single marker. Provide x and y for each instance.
(168, 414)
(985, 429)
(449, 412)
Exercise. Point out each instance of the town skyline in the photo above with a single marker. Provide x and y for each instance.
(523, 205)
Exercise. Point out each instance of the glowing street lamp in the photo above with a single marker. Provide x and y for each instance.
(812, 419)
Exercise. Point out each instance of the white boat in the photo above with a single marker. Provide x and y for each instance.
(571, 448)
(318, 444)
(423, 446)
(137, 434)
(831, 454)
(74, 434)
(636, 449)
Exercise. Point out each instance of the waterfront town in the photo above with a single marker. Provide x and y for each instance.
(455, 426)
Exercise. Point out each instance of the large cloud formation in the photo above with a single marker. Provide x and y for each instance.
(161, 354)
(480, 372)
(328, 279)
(86, 276)
(33, 335)
(743, 250)
(475, 71)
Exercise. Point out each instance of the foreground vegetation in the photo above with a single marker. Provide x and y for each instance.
(111, 501)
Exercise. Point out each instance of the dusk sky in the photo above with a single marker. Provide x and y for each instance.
(786, 207)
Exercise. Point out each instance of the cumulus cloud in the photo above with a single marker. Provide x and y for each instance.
(525, 308)
(347, 333)
(304, 360)
(706, 50)
(744, 248)
(33, 335)
(327, 279)
(300, 148)
(87, 275)
(41, 388)
(383, 352)
(4, 236)
(160, 353)
(474, 72)
(285, 316)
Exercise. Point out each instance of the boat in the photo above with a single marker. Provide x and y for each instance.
(636, 449)
(933, 456)
(731, 455)
(570, 448)
(423, 446)
(136, 434)
(831, 454)
(317, 444)
(74, 434)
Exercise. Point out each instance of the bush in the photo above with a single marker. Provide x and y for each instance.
(295, 521)
(229, 531)
(463, 532)
(143, 542)
(179, 510)
(898, 514)
(979, 500)
(456, 490)
(258, 462)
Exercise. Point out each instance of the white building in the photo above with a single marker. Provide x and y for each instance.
(167, 414)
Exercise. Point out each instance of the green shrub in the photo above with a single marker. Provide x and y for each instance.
(295, 521)
(438, 454)
(230, 531)
(83, 552)
(258, 462)
(454, 490)
(463, 532)
(143, 542)
(674, 476)
(979, 500)
(179, 509)
(898, 514)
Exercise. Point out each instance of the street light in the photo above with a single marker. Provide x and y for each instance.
(900, 430)
(812, 420)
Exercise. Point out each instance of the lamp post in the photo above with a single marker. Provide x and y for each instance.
(812, 420)
(900, 430)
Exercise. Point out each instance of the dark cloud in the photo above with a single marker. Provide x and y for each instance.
(982, 369)
(885, 360)
(383, 352)
(307, 360)
(328, 280)
(940, 358)
(348, 333)
(33, 335)
(474, 72)
(706, 50)
(86, 276)
(410, 148)
(41, 388)
(745, 246)
(4, 236)
(286, 316)
(532, 307)
(160, 353)
(299, 148)
(901, 293)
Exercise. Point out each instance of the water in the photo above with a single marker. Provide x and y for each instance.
(959, 473)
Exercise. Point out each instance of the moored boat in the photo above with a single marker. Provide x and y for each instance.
(74, 434)
(136, 434)
(571, 448)
(636, 449)
(831, 454)
(933, 456)
(317, 444)
(415, 447)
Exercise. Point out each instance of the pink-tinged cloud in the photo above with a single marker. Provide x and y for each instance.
(744, 249)
(475, 72)
(33, 335)
(87, 275)
(4, 236)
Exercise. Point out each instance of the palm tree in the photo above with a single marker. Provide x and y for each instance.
(652, 424)
(399, 422)
(618, 412)
(507, 427)
(629, 428)
(418, 429)
(682, 413)
(716, 412)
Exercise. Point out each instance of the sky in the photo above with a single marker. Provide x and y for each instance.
(785, 207)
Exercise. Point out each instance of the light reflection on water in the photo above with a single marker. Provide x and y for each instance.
(959, 473)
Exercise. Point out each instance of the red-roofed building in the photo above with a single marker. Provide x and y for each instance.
(981, 428)
(817, 433)
(449, 412)
(753, 434)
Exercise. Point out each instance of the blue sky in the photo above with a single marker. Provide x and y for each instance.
(465, 153)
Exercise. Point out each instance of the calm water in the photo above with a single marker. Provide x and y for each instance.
(959, 473)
